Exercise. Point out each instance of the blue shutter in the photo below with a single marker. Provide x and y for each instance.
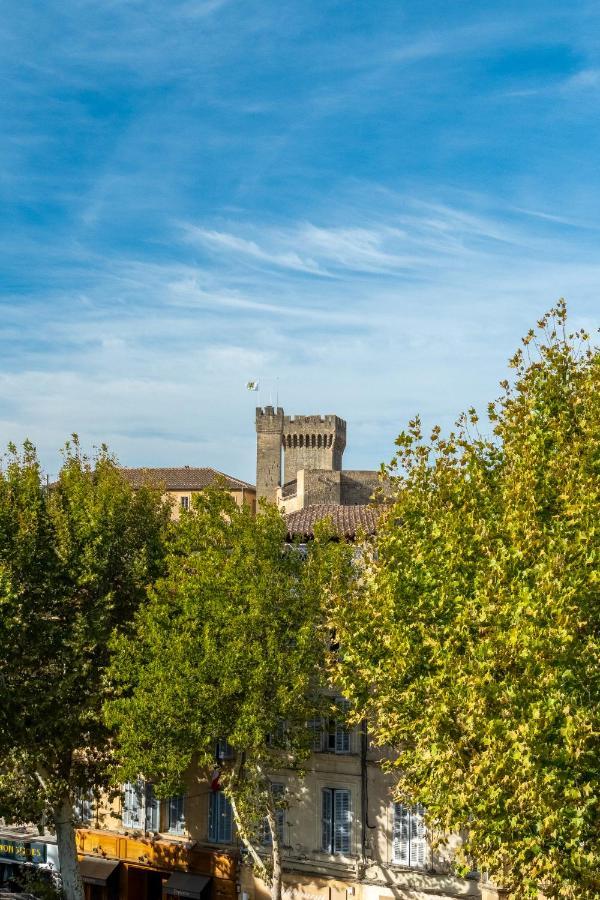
(316, 728)
(212, 817)
(327, 821)
(342, 822)
(152, 808)
(220, 819)
(176, 814)
(226, 819)
(132, 804)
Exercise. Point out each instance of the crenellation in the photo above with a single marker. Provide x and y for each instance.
(313, 448)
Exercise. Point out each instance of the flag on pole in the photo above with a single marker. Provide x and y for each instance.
(252, 385)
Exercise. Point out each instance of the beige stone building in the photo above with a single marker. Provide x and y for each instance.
(183, 482)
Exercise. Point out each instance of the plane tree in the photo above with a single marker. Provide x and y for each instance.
(76, 558)
(472, 643)
(230, 649)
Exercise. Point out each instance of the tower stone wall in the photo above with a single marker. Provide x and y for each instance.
(312, 442)
(269, 431)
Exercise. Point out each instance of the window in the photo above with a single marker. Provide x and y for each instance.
(266, 837)
(332, 734)
(140, 806)
(152, 808)
(315, 726)
(176, 814)
(219, 818)
(224, 750)
(132, 804)
(409, 838)
(279, 736)
(338, 735)
(336, 820)
(185, 502)
(84, 806)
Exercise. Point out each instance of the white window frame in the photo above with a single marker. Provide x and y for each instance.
(184, 502)
(410, 847)
(337, 821)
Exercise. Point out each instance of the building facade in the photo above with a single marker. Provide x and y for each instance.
(180, 484)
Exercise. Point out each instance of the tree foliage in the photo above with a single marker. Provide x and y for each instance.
(75, 562)
(231, 647)
(473, 641)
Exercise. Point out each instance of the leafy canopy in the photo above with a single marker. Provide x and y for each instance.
(230, 646)
(473, 642)
(75, 562)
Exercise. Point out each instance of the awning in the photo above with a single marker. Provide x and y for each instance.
(97, 871)
(184, 884)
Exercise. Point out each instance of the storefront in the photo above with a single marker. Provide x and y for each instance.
(23, 859)
(100, 878)
(140, 868)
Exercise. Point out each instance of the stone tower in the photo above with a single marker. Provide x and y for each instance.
(312, 442)
(269, 431)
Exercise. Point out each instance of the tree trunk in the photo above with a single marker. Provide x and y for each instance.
(276, 879)
(243, 836)
(67, 851)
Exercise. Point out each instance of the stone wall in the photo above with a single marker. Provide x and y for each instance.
(312, 442)
(358, 486)
(312, 486)
(269, 430)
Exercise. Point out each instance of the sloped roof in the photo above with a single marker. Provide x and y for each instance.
(184, 478)
(347, 520)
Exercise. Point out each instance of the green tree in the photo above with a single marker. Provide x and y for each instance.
(75, 562)
(230, 647)
(473, 641)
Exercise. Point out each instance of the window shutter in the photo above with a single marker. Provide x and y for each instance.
(418, 840)
(212, 816)
(220, 819)
(152, 808)
(342, 732)
(343, 822)
(226, 819)
(126, 818)
(342, 738)
(327, 821)
(176, 814)
(316, 728)
(401, 835)
(409, 836)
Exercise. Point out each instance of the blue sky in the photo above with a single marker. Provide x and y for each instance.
(369, 202)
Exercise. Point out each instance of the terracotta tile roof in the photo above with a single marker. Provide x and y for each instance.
(347, 520)
(184, 478)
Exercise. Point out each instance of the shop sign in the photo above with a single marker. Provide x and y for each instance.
(23, 851)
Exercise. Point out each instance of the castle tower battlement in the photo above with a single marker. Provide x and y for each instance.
(307, 442)
(269, 431)
(312, 442)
